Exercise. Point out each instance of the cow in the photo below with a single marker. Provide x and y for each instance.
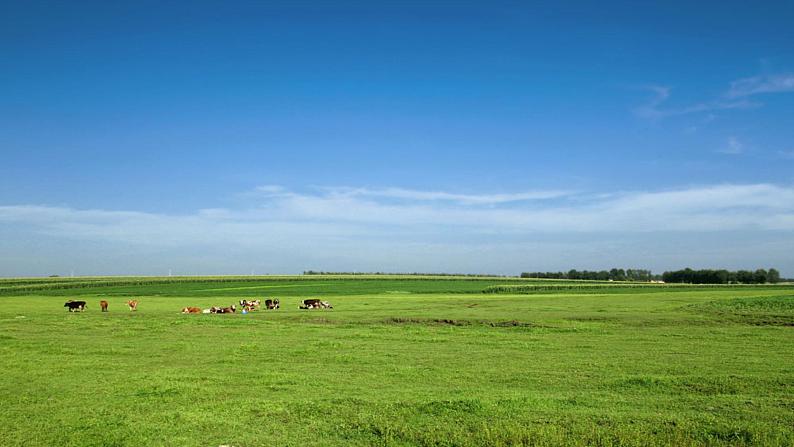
(75, 306)
(223, 310)
(272, 304)
(227, 310)
(133, 305)
(250, 304)
(315, 304)
(191, 310)
(103, 305)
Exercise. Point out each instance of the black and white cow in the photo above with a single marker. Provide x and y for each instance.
(316, 304)
(75, 306)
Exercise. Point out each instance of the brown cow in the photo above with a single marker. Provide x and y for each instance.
(250, 305)
(103, 305)
(133, 305)
(191, 310)
(223, 310)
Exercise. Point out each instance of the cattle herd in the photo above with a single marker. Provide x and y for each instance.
(245, 306)
(79, 306)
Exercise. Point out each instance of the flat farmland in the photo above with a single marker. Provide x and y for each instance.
(398, 362)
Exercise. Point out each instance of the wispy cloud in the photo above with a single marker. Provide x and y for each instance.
(761, 84)
(442, 196)
(655, 108)
(789, 155)
(330, 214)
(736, 97)
(660, 94)
(732, 147)
(281, 230)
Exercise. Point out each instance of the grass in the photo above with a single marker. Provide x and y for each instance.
(763, 310)
(251, 286)
(437, 364)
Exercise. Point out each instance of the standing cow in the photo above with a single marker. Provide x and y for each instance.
(103, 305)
(75, 306)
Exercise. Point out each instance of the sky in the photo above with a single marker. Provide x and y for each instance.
(474, 137)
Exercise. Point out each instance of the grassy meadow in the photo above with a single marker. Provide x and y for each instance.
(399, 361)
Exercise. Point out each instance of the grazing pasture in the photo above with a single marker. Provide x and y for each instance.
(397, 362)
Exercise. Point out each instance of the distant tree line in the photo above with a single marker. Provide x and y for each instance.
(687, 275)
(615, 274)
(472, 275)
(709, 276)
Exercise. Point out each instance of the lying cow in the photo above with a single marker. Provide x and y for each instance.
(227, 310)
(250, 305)
(133, 304)
(191, 310)
(272, 304)
(223, 310)
(316, 304)
(75, 306)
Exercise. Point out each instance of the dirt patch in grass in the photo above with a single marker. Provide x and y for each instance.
(427, 321)
(511, 323)
(451, 322)
(593, 318)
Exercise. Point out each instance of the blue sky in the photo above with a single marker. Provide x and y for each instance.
(493, 137)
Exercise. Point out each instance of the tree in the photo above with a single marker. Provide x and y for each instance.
(721, 276)
(744, 277)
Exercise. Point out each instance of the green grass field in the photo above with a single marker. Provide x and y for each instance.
(399, 361)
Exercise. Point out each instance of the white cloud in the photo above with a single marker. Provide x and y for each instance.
(789, 155)
(761, 84)
(270, 191)
(364, 212)
(732, 147)
(473, 199)
(736, 97)
(654, 108)
(367, 229)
